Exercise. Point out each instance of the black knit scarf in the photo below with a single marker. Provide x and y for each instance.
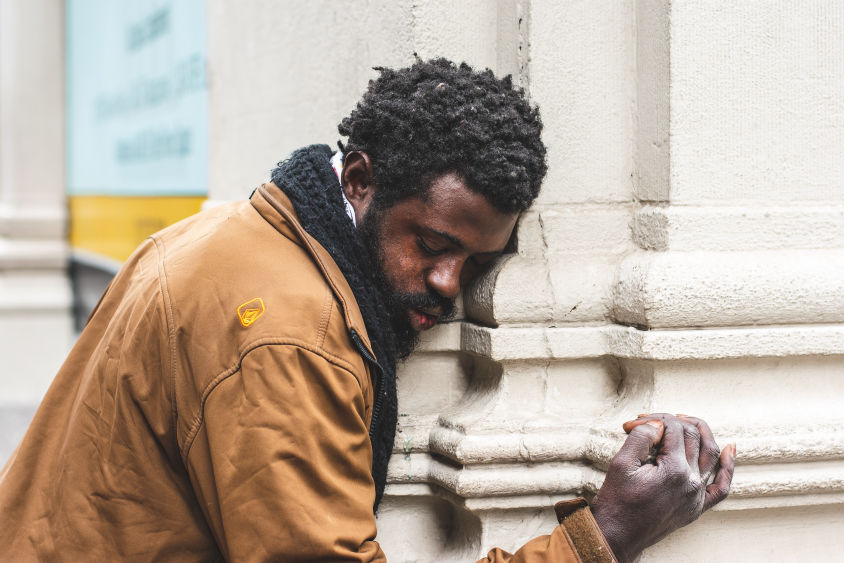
(309, 180)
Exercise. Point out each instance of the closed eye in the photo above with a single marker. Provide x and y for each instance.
(427, 249)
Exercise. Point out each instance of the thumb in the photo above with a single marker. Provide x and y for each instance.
(638, 445)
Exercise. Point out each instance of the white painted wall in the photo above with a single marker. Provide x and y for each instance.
(280, 74)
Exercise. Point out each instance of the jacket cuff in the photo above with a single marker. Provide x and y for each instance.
(591, 545)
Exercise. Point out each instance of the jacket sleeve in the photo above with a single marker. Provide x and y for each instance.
(576, 539)
(281, 461)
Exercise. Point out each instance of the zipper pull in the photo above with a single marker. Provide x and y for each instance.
(363, 349)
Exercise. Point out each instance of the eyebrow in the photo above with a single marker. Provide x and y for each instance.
(459, 243)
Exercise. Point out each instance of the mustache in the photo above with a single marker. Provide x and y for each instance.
(429, 300)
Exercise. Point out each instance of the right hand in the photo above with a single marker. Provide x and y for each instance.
(641, 502)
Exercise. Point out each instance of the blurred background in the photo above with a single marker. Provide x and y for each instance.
(136, 130)
(686, 253)
(104, 135)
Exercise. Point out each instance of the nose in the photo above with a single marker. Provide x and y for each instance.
(444, 278)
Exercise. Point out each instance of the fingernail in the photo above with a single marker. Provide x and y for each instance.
(631, 424)
(655, 423)
(644, 414)
(734, 451)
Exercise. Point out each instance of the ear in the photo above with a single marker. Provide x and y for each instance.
(357, 182)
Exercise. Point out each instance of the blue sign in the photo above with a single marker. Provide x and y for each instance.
(136, 97)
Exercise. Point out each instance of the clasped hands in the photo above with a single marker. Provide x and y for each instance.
(648, 494)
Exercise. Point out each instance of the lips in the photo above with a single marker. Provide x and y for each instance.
(422, 320)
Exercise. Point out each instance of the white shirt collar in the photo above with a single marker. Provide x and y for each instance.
(337, 164)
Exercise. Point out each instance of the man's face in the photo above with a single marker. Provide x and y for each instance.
(426, 250)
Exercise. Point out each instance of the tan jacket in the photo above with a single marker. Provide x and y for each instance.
(215, 407)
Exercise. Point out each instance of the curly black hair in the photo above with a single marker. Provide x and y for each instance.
(435, 117)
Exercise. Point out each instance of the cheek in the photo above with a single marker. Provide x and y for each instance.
(402, 269)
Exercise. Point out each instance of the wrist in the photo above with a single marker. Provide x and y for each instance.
(583, 532)
(613, 531)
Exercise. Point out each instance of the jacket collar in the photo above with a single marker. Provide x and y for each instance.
(276, 208)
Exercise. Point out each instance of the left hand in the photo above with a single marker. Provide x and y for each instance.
(640, 501)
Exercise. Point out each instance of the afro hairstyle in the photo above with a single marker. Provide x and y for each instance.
(434, 117)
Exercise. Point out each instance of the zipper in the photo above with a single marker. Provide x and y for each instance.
(379, 395)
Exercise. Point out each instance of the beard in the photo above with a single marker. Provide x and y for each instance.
(398, 303)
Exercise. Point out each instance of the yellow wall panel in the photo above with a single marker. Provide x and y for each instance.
(113, 226)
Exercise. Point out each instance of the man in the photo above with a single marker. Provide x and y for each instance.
(233, 395)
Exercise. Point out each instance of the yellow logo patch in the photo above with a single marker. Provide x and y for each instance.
(250, 311)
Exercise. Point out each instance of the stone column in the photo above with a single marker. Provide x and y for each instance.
(35, 299)
(736, 285)
(535, 381)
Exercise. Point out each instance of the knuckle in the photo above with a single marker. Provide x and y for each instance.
(720, 493)
(698, 421)
(711, 451)
(642, 431)
(640, 438)
(702, 424)
(691, 431)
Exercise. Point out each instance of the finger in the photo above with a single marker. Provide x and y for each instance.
(631, 424)
(709, 450)
(636, 448)
(643, 418)
(673, 443)
(691, 441)
(691, 435)
(720, 487)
